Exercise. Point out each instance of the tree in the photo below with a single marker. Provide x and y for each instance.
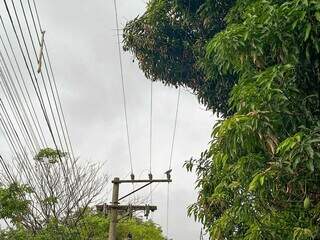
(169, 42)
(260, 177)
(91, 226)
(56, 202)
(13, 204)
(60, 189)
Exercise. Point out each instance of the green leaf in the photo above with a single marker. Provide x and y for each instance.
(310, 151)
(307, 32)
(306, 203)
(310, 165)
(262, 180)
(317, 15)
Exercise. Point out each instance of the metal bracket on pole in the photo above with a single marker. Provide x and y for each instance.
(115, 207)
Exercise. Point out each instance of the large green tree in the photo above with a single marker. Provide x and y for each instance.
(169, 42)
(260, 178)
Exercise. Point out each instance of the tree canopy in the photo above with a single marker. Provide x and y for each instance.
(13, 204)
(169, 42)
(260, 178)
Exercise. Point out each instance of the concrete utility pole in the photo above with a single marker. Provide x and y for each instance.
(114, 211)
(115, 207)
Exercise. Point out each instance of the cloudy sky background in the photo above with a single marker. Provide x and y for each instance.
(81, 37)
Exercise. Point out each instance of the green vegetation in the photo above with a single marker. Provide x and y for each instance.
(260, 178)
(52, 155)
(60, 206)
(169, 41)
(91, 226)
(13, 204)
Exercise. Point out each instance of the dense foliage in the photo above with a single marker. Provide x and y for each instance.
(13, 204)
(260, 178)
(92, 226)
(169, 42)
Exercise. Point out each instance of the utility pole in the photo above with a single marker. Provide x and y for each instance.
(114, 211)
(115, 206)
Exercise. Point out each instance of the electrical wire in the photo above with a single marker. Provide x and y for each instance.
(41, 74)
(151, 127)
(40, 97)
(35, 86)
(28, 63)
(123, 85)
(53, 77)
(26, 163)
(26, 95)
(31, 70)
(16, 114)
(65, 166)
(21, 110)
(175, 128)
(171, 156)
(150, 140)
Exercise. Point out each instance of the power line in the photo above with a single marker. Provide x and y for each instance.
(9, 83)
(150, 140)
(42, 77)
(30, 70)
(54, 89)
(5, 167)
(151, 126)
(27, 96)
(15, 111)
(123, 85)
(68, 141)
(45, 88)
(65, 172)
(171, 156)
(35, 84)
(16, 144)
(175, 128)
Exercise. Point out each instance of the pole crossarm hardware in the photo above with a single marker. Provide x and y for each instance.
(114, 207)
(143, 181)
(105, 207)
(134, 191)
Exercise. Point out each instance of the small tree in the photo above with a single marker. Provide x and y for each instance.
(61, 188)
(13, 203)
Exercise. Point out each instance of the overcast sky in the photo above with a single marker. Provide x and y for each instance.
(82, 41)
